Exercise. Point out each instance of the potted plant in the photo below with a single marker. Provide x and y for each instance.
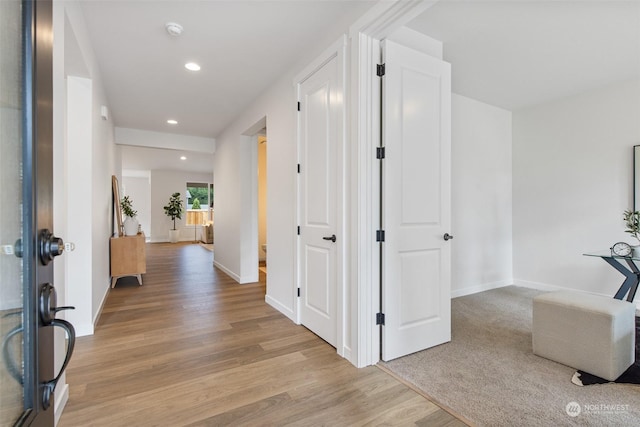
(130, 222)
(632, 221)
(174, 210)
(196, 204)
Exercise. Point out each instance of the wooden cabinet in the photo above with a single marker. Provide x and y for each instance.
(128, 257)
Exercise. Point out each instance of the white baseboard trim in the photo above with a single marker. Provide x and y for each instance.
(166, 240)
(226, 271)
(346, 353)
(253, 278)
(83, 329)
(280, 307)
(480, 288)
(541, 286)
(62, 397)
(550, 288)
(102, 303)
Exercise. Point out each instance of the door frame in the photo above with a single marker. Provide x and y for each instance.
(364, 277)
(336, 50)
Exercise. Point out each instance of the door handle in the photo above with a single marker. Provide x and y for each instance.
(15, 249)
(50, 386)
(14, 369)
(447, 236)
(48, 310)
(332, 238)
(50, 246)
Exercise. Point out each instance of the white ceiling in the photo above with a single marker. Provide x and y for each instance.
(147, 159)
(242, 46)
(514, 54)
(508, 53)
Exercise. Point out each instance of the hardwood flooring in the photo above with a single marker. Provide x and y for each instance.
(193, 348)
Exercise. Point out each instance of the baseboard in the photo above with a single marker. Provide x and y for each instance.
(226, 271)
(550, 288)
(96, 318)
(347, 353)
(61, 399)
(480, 288)
(253, 278)
(541, 286)
(280, 307)
(166, 240)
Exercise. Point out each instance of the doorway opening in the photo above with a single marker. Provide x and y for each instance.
(262, 202)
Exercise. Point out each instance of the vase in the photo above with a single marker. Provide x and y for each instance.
(174, 235)
(130, 226)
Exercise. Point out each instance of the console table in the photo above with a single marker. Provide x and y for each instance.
(630, 272)
(128, 257)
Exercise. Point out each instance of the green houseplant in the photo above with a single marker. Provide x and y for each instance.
(130, 222)
(174, 210)
(127, 207)
(632, 221)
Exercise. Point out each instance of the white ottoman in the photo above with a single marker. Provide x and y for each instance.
(588, 332)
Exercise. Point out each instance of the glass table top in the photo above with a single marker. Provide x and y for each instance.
(606, 253)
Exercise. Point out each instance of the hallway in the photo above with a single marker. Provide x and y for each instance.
(192, 347)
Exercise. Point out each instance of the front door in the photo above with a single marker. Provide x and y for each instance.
(416, 207)
(319, 135)
(28, 303)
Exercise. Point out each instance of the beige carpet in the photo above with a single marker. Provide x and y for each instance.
(489, 374)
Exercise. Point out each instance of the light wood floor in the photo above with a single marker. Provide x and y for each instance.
(192, 347)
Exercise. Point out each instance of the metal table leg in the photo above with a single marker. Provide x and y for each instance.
(631, 274)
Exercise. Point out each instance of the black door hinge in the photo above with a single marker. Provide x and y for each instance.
(298, 106)
(379, 235)
(380, 70)
(298, 291)
(298, 167)
(298, 230)
(379, 318)
(380, 152)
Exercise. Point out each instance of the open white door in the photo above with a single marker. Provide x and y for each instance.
(416, 199)
(319, 134)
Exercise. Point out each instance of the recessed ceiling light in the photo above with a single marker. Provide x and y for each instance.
(172, 122)
(173, 29)
(183, 158)
(192, 66)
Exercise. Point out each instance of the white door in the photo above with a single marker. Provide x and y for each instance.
(319, 132)
(416, 214)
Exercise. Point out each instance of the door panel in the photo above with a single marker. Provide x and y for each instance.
(319, 136)
(11, 292)
(26, 99)
(317, 272)
(416, 201)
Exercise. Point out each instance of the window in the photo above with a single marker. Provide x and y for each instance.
(197, 191)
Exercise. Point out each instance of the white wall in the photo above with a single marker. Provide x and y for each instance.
(139, 191)
(572, 162)
(84, 160)
(79, 225)
(481, 196)
(163, 184)
(84, 163)
(231, 164)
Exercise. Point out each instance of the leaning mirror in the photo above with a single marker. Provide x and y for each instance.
(117, 211)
